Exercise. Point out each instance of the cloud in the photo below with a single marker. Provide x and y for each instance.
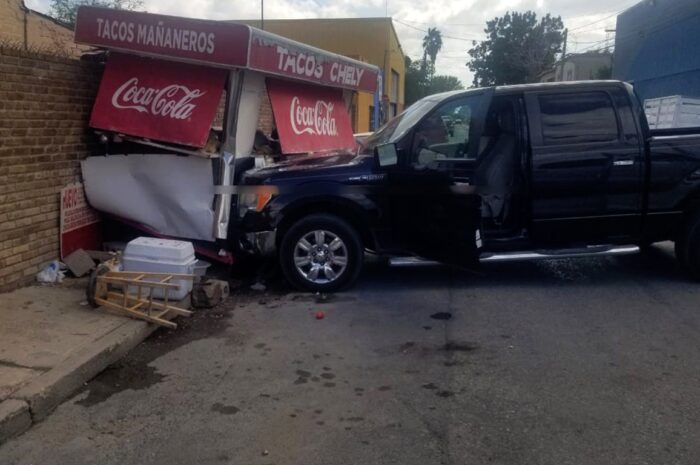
(460, 21)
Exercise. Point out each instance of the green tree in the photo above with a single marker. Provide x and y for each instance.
(444, 83)
(418, 84)
(604, 72)
(416, 81)
(432, 44)
(66, 10)
(518, 48)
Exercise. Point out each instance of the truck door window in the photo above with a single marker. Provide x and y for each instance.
(444, 134)
(576, 118)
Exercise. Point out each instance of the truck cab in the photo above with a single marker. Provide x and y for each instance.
(493, 174)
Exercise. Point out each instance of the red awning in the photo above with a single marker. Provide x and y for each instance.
(220, 44)
(310, 118)
(156, 99)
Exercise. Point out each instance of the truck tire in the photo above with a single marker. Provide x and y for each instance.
(687, 246)
(321, 253)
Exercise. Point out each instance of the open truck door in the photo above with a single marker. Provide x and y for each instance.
(435, 205)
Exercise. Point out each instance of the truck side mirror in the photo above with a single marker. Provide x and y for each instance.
(386, 155)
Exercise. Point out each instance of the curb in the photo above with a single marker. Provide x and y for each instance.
(14, 418)
(34, 401)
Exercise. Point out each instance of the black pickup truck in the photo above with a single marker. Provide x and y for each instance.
(520, 172)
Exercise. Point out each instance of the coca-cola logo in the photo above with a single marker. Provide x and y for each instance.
(172, 101)
(314, 119)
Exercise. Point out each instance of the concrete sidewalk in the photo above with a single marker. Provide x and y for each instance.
(51, 343)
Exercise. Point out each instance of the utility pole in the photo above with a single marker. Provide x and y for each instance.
(566, 37)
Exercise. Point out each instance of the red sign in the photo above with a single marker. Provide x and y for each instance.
(275, 55)
(221, 44)
(195, 39)
(161, 100)
(80, 224)
(310, 118)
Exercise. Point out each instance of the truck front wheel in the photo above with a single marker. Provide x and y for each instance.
(687, 246)
(321, 253)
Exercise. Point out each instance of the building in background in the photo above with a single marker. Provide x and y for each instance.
(31, 30)
(657, 48)
(372, 40)
(580, 67)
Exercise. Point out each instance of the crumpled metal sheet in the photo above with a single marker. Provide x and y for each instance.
(170, 194)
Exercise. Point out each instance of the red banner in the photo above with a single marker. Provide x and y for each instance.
(310, 118)
(275, 55)
(161, 100)
(212, 42)
(79, 225)
(220, 43)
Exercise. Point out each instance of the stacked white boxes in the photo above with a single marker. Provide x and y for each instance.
(150, 254)
(674, 111)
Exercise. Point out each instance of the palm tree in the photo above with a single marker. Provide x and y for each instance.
(432, 43)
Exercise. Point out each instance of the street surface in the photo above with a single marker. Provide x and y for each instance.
(593, 361)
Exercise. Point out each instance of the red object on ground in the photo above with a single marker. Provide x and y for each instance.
(320, 315)
(156, 99)
(310, 118)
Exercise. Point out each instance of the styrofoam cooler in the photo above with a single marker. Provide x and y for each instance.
(150, 254)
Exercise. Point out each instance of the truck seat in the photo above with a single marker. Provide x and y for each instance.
(497, 169)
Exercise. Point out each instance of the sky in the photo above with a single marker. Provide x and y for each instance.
(460, 21)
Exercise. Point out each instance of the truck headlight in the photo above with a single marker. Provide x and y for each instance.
(254, 200)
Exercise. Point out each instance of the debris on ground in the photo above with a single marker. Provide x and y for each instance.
(79, 262)
(258, 287)
(209, 293)
(52, 273)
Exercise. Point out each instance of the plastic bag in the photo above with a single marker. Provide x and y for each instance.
(51, 273)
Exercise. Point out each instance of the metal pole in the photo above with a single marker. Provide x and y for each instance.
(262, 14)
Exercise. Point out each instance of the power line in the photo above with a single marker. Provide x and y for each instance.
(634, 33)
(444, 36)
(603, 19)
(446, 24)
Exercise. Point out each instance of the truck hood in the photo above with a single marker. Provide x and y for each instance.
(342, 167)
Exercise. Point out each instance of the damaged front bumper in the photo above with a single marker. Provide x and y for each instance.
(263, 243)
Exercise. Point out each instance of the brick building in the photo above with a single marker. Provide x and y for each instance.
(31, 30)
(46, 103)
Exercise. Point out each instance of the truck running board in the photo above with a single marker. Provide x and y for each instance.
(593, 251)
(596, 251)
(411, 261)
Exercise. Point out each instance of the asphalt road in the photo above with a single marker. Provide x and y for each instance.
(560, 362)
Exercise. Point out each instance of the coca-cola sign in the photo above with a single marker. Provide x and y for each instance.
(310, 118)
(172, 101)
(316, 120)
(159, 100)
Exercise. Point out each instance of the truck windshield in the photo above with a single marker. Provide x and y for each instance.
(395, 128)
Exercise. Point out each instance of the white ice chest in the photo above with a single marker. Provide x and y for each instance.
(150, 254)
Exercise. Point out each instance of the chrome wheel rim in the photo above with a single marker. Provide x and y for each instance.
(320, 256)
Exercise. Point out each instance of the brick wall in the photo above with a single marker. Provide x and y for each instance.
(266, 121)
(45, 102)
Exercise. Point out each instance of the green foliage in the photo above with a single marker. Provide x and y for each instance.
(604, 72)
(432, 44)
(416, 81)
(518, 48)
(421, 81)
(444, 83)
(66, 10)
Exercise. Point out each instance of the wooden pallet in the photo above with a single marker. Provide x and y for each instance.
(112, 290)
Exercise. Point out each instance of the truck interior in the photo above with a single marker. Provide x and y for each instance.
(498, 175)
